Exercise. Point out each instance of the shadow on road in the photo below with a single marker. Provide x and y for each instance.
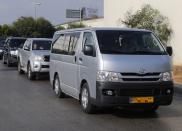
(165, 112)
(8, 69)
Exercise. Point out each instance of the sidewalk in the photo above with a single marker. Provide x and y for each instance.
(178, 87)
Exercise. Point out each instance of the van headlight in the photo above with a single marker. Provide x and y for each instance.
(167, 76)
(107, 76)
(14, 52)
(39, 58)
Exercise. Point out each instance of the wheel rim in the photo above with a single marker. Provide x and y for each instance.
(84, 98)
(56, 86)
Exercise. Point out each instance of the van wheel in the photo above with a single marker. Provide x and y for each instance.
(152, 109)
(20, 71)
(4, 62)
(30, 74)
(8, 62)
(85, 100)
(57, 88)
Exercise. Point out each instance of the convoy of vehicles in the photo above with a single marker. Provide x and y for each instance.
(2, 42)
(103, 67)
(34, 57)
(10, 50)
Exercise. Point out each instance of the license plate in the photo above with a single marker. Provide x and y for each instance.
(142, 100)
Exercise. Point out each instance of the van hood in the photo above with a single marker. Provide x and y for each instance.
(41, 52)
(136, 63)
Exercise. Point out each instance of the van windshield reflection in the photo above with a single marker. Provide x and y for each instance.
(129, 42)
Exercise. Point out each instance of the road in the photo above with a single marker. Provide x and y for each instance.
(32, 106)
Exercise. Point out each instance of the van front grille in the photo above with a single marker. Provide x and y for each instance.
(140, 79)
(135, 77)
(45, 66)
(136, 74)
(46, 58)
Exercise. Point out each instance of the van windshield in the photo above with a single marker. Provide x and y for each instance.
(41, 45)
(17, 43)
(129, 42)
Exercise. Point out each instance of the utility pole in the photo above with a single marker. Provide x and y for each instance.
(35, 9)
(80, 16)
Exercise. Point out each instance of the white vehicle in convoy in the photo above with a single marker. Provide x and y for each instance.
(34, 57)
(112, 67)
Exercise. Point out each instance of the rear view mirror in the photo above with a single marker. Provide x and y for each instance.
(169, 50)
(89, 50)
(26, 48)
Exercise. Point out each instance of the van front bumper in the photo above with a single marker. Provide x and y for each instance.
(13, 59)
(40, 67)
(120, 93)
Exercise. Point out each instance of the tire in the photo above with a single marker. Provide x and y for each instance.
(20, 71)
(85, 100)
(57, 88)
(8, 62)
(4, 62)
(30, 74)
(152, 109)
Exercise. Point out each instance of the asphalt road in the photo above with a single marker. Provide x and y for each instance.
(32, 106)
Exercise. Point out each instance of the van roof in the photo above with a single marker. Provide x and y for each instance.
(11, 37)
(39, 39)
(102, 28)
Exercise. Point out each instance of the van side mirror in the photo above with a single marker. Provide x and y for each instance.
(169, 50)
(88, 50)
(26, 48)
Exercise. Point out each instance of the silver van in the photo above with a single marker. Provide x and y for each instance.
(111, 67)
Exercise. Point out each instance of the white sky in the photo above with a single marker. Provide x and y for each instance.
(53, 10)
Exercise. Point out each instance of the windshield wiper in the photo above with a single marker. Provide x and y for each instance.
(147, 52)
(111, 52)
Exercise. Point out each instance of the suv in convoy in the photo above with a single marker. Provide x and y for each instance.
(112, 67)
(10, 50)
(34, 57)
(2, 42)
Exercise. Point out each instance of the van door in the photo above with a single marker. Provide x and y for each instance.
(70, 66)
(26, 53)
(22, 54)
(88, 63)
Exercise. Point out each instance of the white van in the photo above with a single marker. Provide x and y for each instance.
(111, 67)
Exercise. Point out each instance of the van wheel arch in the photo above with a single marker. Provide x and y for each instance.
(55, 74)
(81, 85)
(85, 99)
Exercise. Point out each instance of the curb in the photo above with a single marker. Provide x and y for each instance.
(178, 88)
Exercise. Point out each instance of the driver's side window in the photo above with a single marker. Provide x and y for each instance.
(27, 46)
(88, 44)
(88, 39)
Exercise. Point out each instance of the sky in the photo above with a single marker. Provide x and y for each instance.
(53, 10)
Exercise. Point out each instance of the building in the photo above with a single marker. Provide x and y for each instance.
(115, 9)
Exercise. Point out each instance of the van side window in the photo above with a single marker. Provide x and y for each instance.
(26, 46)
(66, 44)
(57, 46)
(73, 42)
(88, 44)
(88, 39)
(29, 45)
